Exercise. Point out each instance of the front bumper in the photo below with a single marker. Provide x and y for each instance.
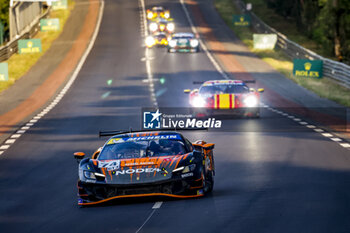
(240, 112)
(186, 49)
(94, 193)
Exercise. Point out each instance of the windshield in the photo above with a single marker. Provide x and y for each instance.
(183, 37)
(223, 89)
(124, 149)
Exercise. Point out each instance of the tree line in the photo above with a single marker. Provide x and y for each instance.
(325, 21)
(4, 14)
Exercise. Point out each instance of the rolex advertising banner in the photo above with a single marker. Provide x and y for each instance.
(49, 25)
(307, 68)
(4, 72)
(241, 20)
(60, 5)
(29, 46)
(264, 41)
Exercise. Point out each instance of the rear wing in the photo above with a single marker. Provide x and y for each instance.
(244, 81)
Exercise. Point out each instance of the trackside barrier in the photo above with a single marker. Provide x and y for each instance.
(338, 71)
(10, 48)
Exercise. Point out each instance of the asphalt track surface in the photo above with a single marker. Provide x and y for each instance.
(272, 174)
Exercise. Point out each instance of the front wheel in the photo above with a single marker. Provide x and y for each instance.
(208, 182)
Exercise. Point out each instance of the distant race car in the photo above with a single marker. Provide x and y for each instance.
(158, 39)
(161, 25)
(157, 12)
(145, 163)
(183, 42)
(226, 96)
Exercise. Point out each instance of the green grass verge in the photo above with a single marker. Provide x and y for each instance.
(325, 87)
(19, 64)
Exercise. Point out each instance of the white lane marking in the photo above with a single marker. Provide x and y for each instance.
(328, 135)
(157, 205)
(148, 57)
(68, 84)
(303, 123)
(346, 145)
(1, 152)
(319, 130)
(336, 139)
(203, 46)
(297, 119)
(311, 126)
(149, 217)
(10, 141)
(15, 135)
(4, 147)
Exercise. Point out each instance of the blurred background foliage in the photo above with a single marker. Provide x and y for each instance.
(327, 22)
(4, 14)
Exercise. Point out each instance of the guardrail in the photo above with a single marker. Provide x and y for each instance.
(338, 71)
(11, 47)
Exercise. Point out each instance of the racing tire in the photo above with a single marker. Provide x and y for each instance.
(257, 114)
(208, 182)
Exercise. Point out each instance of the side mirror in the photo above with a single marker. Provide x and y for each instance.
(261, 90)
(200, 142)
(187, 91)
(208, 146)
(79, 156)
(96, 153)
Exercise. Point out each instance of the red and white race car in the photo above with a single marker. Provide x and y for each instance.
(226, 96)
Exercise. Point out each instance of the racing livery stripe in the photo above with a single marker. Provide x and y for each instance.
(142, 195)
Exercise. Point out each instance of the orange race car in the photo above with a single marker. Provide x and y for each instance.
(145, 163)
(226, 96)
(157, 12)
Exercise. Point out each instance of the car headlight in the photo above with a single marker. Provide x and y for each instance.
(194, 43)
(149, 41)
(172, 43)
(251, 101)
(150, 15)
(170, 27)
(189, 168)
(185, 169)
(153, 27)
(89, 175)
(166, 15)
(198, 102)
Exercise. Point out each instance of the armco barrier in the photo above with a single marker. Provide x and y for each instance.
(331, 69)
(10, 48)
